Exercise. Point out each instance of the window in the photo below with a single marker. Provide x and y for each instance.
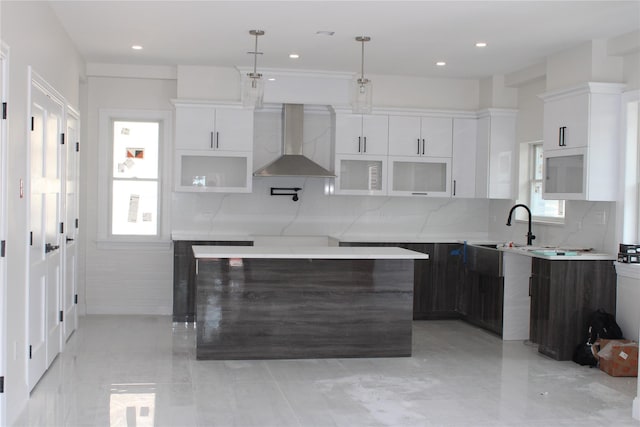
(542, 210)
(133, 177)
(530, 180)
(135, 183)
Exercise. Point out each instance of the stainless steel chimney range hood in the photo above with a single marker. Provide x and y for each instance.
(293, 162)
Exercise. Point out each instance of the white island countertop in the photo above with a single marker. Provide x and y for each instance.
(305, 252)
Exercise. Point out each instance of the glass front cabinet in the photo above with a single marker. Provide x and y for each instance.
(213, 147)
(424, 176)
(581, 140)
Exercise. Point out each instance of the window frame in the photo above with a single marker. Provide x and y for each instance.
(527, 180)
(107, 117)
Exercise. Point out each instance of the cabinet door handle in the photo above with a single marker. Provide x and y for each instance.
(211, 140)
(561, 134)
(217, 139)
(423, 144)
(418, 152)
(454, 187)
(530, 279)
(365, 145)
(359, 144)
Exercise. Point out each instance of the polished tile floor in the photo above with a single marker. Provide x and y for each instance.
(141, 371)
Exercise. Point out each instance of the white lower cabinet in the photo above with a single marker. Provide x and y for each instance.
(425, 176)
(207, 171)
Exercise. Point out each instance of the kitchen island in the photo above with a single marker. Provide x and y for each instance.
(274, 302)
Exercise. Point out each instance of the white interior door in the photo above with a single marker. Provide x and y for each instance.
(70, 247)
(3, 225)
(45, 272)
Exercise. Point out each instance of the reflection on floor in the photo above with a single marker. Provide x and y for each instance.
(141, 371)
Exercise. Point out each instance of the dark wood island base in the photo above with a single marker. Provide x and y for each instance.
(275, 308)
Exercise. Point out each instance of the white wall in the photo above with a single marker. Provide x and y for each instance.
(632, 71)
(586, 63)
(123, 278)
(35, 38)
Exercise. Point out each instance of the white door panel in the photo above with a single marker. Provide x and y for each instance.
(70, 245)
(45, 261)
(3, 225)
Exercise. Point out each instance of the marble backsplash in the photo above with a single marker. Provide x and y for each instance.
(315, 213)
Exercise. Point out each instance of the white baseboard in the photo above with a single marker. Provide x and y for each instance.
(636, 408)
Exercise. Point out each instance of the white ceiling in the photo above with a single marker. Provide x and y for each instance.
(408, 37)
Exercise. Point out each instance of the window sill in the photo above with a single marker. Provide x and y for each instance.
(543, 221)
(114, 245)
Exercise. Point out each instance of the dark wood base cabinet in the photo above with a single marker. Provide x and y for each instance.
(563, 295)
(274, 308)
(482, 301)
(436, 280)
(184, 280)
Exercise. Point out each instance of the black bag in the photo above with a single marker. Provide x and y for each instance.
(602, 325)
(584, 355)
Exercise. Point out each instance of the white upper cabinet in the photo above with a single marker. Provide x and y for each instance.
(566, 122)
(423, 176)
(361, 134)
(212, 127)
(581, 142)
(496, 154)
(463, 169)
(213, 148)
(420, 136)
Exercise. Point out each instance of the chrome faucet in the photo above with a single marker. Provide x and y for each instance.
(530, 235)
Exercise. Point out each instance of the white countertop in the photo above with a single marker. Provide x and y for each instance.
(305, 252)
(580, 256)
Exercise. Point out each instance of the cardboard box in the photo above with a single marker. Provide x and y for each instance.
(618, 358)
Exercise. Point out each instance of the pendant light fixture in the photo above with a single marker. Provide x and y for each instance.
(253, 86)
(361, 94)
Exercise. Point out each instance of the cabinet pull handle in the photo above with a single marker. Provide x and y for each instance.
(211, 140)
(423, 144)
(561, 140)
(530, 278)
(217, 139)
(359, 144)
(418, 152)
(454, 187)
(564, 140)
(365, 145)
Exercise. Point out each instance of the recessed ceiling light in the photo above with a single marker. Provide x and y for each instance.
(294, 56)
(441, 63)
(481, 44)
(272, 79)
(325, 33)
(136, 47)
